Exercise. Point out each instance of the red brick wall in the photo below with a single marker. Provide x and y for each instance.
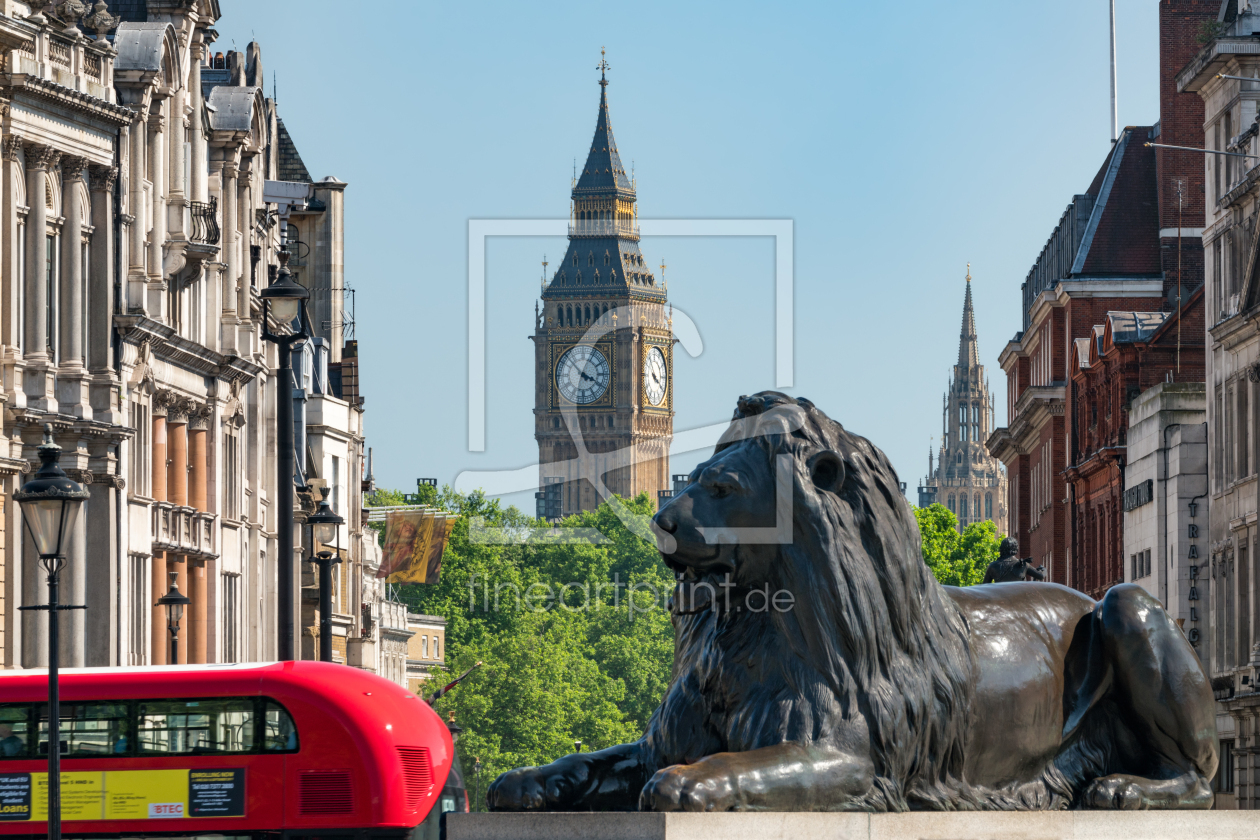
(1180, 114)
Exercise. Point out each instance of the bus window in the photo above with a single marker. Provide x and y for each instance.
(88, 729)
(15, 730)
(218, 725)
(279, 733)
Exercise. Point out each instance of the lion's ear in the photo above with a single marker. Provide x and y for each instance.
(826, 469)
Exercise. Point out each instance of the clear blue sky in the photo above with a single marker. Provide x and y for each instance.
(904, 140)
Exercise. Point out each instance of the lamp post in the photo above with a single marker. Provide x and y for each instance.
(284, 300)
(326, 530)
(174, 601)
(51, 503)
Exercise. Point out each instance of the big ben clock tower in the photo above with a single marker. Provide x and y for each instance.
(603, 348)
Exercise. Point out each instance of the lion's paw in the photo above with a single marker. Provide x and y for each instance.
(685, 787)
(1118, 792)
(525, 789)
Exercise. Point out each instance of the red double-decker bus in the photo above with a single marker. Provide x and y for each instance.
(299, 749)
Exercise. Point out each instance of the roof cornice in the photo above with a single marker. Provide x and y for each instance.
(75, 100)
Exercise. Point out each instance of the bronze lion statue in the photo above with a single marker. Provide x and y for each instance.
(876, 688)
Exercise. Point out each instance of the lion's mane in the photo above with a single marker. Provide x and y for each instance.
(871, 633)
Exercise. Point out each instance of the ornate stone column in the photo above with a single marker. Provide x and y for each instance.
(10, 247)
(200, 159)
(136, 274)
(228, 238)
(246, 181)
(155, 270)
(177, 450)
(177, 493)
(159, 578)
(198, 465)
(40, 379)
(201, 572)
(72, 385)
(101, 180)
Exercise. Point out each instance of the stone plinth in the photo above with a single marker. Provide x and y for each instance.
(920, 825)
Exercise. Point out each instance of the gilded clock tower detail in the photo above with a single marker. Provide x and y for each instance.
(603, 347)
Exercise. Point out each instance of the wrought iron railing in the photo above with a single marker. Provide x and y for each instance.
(205, 221)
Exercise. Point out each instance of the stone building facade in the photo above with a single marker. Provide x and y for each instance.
(137, 228)
(603, 345)
(967, 479)
(1231, 587)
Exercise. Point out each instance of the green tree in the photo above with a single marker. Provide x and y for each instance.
(577, 665)
(956, 559)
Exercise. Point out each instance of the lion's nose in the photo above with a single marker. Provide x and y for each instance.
(665, 521)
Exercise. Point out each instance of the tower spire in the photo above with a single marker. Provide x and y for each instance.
(603, 171)
(968, 351)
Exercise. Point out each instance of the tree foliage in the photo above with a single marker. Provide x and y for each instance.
(589, 663)
(956, 559)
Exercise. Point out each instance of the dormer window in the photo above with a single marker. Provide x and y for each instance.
(590, 258)
(575, 262)
(607, 258)
(597, 276)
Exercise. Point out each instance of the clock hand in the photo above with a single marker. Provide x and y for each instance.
(584, 376)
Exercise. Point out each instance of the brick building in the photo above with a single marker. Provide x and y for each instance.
(1128, 353)
(1104, 255)
(1127, 243)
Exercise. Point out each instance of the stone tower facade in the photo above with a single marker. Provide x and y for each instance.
(967, 479)
(603, 347)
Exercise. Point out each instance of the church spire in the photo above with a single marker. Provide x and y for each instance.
(968, 351)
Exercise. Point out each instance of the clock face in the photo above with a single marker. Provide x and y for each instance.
(654, 376)
(582, 374)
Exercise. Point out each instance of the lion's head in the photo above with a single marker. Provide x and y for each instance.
(808, 508)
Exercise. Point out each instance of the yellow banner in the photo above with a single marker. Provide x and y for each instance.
(126, 794)
(407, 538)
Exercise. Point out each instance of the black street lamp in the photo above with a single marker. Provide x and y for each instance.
(51, 503)
(284, 300)
(326, 530)
(174, 601)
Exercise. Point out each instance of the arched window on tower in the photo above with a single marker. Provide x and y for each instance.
(977, 507)
(588, 316)
(975, 421)
(988, 505)
(569, 311)
(962, 422)
(962, 507)
(951, 505)
(559, 316)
